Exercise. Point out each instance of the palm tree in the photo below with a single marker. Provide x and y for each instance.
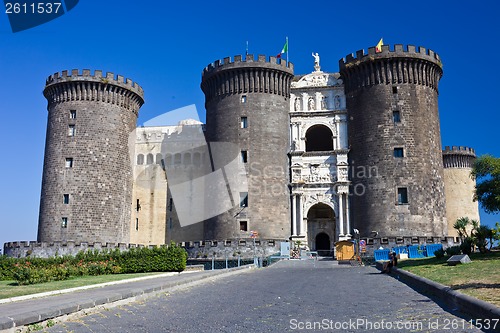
(461, 227)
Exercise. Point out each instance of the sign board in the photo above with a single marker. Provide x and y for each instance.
(458, 259)
(285, 249)
(362, 246)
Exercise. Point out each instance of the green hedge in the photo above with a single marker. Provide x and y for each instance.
(170, 258)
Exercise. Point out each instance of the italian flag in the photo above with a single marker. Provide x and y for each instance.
(283, 50)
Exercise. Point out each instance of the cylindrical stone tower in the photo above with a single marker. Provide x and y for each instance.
(394, 136)
(459, 186)
(247, 105)
(87, 173)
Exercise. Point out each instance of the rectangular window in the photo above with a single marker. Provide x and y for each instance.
(66, 199)
(398, 152)
(243, 225)
(402, 195)
(64, 222)
(243, 199)
(244, 122)
(244, 99)
(71, 130)
(244, 156)
(170, 204)
(69, 162)
(396, 116)
(170, 223)
(72, 114)
(394, 90)
(136, 223)
(138, 205)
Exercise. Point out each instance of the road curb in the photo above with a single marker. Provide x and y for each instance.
(10, 324)
(476, 308)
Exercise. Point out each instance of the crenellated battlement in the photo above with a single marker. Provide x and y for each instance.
(399, 50)
(458, 157)
(111, 88)
(410, 65)
(109, 78)
(462, 150)
(225, 77)
(249, 61)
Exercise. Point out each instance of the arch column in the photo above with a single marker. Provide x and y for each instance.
(347, 220)
(294, 214)
(301, 214)
(305, 101)
(341, 215)
(336, 143)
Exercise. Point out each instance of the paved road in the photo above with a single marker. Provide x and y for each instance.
(290, 296)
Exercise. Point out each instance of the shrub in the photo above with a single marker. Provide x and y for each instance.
(453, 250)
(466, 245)
(439, 253)
(170, 258)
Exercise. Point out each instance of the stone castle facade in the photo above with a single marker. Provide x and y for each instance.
(310, 157)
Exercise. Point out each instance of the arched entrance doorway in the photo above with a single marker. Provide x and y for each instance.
(319, 138)
(323, 244)
(321, 228)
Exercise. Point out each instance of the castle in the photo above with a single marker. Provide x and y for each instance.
(309, 157)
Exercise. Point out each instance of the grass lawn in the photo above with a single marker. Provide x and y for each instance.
(480, 279)
(11, 289)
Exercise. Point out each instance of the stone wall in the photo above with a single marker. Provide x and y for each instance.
(243, 247)
(258, 91)
(87, 175)
(459, 186)
(45, 250)
(392, 102)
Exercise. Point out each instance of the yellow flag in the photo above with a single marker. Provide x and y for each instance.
(378, 48)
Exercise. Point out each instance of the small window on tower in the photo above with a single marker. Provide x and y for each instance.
(244, 122)
(244, 99)
(72, 114)
(394, 90)
(402, 195)
(396, 116)
(136, 223)
(170, 204)
(243, 199)
(398, 152)
(71, 130)
(69, 162)
(64, 222)
(244, 156)
(243, 225)
(140, 159)
(66, 199)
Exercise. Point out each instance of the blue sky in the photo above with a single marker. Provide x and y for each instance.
(164, 45)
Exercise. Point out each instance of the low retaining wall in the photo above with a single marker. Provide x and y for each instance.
(45, 250)
(234, 248)
(474, 307)
(243, 247)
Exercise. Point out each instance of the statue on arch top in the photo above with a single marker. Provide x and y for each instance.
(316, 62)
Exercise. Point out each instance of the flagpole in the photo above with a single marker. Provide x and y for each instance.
(287, 47)
(246, 53)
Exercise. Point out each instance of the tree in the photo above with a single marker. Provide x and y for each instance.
(481, 235)
(461, 225)
(486, 171)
